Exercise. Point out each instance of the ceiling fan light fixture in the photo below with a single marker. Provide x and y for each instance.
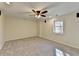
(37, 16)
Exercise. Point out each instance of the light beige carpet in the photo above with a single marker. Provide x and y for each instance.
(34, 47)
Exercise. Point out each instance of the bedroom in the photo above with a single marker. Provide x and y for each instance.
(39, 28)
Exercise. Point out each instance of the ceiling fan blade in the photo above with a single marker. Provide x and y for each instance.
(43, 15)
(33, 10)
(44, 12)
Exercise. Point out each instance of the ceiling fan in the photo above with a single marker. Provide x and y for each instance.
(39, 13)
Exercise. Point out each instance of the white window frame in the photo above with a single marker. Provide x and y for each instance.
(60, 26)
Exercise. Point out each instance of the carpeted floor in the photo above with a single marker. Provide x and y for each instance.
(34, 47)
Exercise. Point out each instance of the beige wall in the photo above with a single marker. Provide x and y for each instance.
(2, 29)
(38, 28)
(17, 28)
(71, 30)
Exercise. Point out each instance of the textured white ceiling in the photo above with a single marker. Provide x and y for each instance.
(24, 9)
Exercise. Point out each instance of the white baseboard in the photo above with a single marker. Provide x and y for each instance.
(47, 39)
(2, 44)
(22, 38)
(62, 43)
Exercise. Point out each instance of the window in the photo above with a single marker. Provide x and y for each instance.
(58, 26)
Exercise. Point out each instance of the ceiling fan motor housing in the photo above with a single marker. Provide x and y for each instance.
(38, 12)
